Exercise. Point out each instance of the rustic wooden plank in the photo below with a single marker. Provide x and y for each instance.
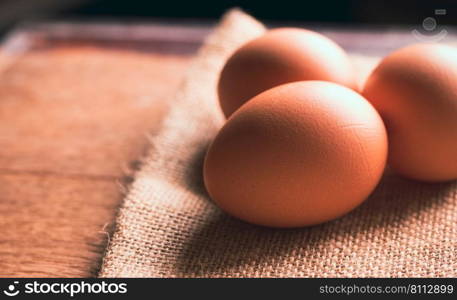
(54, 225)
(74, 119)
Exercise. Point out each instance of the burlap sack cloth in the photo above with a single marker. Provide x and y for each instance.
(168, 227)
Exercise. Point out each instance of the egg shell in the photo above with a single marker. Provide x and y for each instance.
(296, 155)
(415, 91)
(280, 56)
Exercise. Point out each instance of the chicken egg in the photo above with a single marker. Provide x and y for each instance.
(295, 155)
(280, 56)
(415, 91)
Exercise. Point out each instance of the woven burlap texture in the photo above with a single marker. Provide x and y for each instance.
(168, 227)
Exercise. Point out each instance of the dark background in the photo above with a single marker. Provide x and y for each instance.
(352, 12)
(357, 11)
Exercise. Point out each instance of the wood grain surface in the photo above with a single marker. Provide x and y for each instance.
(74, 118)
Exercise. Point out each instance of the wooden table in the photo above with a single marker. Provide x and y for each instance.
(77, 102)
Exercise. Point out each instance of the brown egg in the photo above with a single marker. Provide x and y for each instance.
(281, 56)
(299, 154)
(415, 91)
